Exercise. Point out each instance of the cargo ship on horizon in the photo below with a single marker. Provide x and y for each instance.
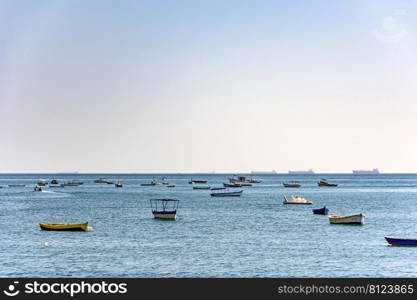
(366, 172)
(263, 172)
(310, 171)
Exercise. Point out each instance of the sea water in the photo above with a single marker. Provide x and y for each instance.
(254, 235)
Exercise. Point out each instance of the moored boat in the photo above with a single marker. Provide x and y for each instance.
(352, 219)
(65, 227)
(197, 181)
(296, 200)
(243, 179)
(73, 182)
(321, 211)
(217, 188)
(170, 186)
(102, 180)
(227, 194)
(153, 182)
(291, 184)
(17, 185)
(54, 181)
(56, 185)
(400, 241)
(164, 209)
(42, 182)
(37, 189)
(201, 187)
(232, 185)
(118, 184)
(324, 182)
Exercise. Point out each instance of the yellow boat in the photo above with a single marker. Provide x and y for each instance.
(65, 227)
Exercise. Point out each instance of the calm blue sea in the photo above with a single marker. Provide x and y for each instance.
(254, 235)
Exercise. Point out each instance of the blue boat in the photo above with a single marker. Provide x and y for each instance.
(321, 211)
(401, 242)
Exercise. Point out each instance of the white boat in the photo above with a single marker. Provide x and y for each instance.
(296, 200)
(42, 182)
(353, 219)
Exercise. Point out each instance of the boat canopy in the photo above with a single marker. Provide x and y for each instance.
(164, 204)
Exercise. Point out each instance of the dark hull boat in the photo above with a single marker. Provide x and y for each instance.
(321, 211)
(292, 185)
(164, 209)
(201, 187)
(232, 185)
(324, 182)
(227, 194)
(197, 181)
(401, 242)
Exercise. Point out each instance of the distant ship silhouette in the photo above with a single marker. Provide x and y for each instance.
(310, 171)
(373, 171)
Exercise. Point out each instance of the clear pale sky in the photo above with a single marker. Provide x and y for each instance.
(203, 86)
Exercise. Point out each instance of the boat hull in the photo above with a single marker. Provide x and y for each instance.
(289, 185)
(301, 203)
(401, 242)
(327, 184)
(227, 194)
(321, 211)
(354, 219)
(64, 227)
(165, 215)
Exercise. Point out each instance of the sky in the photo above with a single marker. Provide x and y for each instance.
(208, 86)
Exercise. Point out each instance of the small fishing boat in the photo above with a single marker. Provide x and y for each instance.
(17, 185)
(153, 182)
(353, 219)
(164, 209)
(292, 184)
(217, 188)
(37, 189)
(65, 227)
(118, 184)
(242, 179)
(321, 211)
(232, 185)
(56, 185)
(42, 182)
(73, 182)
(227, 194)
(296, 200)
(324, 182)
(102, 180)
(170, 186)
(197, 181)
(400, 241)
(201, 187)
(54, 181)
